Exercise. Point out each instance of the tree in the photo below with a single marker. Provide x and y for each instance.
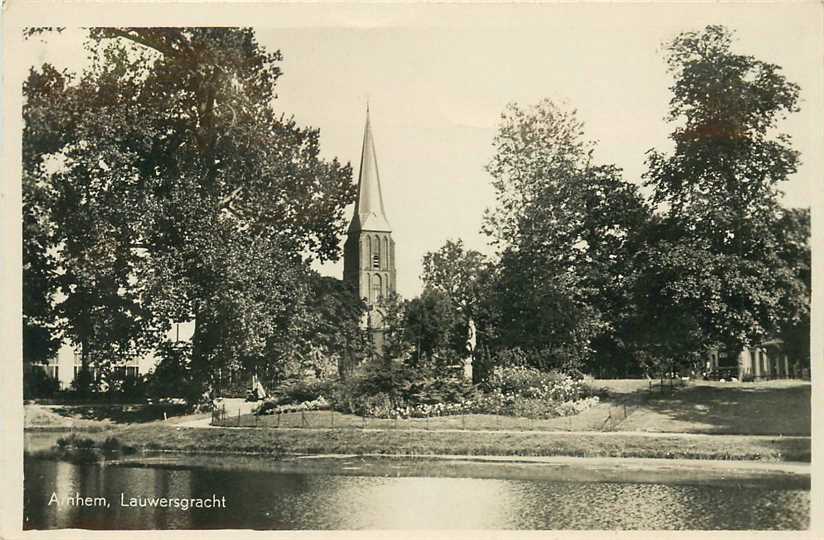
(458, 274)
(168, 167)
(395, 343)
(794, 228)
(39, 279)
(563, 226)
(431, 323)
(454, 270)
(335, 329)
(718, 191)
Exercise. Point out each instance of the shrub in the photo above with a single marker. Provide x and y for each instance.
(565, 358)
(74, 441)
(128, 387)
(111, 443)
(172, 377)
(532, 408)
(271, 407)
(38, 384)
(84, 384)
(300, 391)
(530, 383)
(84, 443)
(397, 390)
(385, 388)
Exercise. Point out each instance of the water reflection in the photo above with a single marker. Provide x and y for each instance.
(271, 499)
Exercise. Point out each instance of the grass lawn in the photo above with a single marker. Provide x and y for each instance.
(162, 436)
(724, 418)
(47, 418)
(93, 417)
(762, 408)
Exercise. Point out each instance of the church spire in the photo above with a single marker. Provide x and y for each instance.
(369, 214)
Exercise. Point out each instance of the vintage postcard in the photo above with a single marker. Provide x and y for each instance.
(416, 268)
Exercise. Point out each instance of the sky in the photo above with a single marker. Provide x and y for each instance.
(438, 77)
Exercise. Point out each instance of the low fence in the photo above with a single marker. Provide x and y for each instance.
(620, 412)
(595, 419)
(666, 385)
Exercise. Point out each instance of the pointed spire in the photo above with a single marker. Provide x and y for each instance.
(369, 214)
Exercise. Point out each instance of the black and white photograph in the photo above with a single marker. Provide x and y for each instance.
(423, 266)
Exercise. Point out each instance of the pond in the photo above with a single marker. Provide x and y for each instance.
(375, 493)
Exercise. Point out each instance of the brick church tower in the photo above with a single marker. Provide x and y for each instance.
(369, 251)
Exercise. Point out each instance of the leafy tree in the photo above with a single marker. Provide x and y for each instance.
(459, 274)
(178, 192)
(794, 228)
(718, 191)
(563, 226)
(39, 279)
(335, 329)
(395, 343)
(431, 323)
(172, 376)
(455, 271)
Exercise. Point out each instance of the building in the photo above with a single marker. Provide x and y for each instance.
(66, 364)
(766, 361)
(369, 252)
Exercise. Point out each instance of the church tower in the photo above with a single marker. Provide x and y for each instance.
(369, 251)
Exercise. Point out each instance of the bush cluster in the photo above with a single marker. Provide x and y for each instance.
(271, 407)
(38, 384)
(400, 390)
(531, 383)
(393, 389)
(397, 390)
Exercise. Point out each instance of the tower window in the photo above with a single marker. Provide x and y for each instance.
(376, 262)
(377, 289)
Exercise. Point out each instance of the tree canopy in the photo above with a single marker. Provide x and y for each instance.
(563, 225)
(719, 193)
(176, 191)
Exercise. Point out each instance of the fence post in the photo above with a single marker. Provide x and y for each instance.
(278, 424)
(303, 422)
(463, 421)
(238, 417)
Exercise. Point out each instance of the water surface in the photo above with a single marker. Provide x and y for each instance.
(275, 496)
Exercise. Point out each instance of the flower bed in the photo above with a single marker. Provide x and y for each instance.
(493, 404)
(401, 391)
(270, 407)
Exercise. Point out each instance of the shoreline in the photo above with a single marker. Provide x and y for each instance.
(783, 475)
(666, 447)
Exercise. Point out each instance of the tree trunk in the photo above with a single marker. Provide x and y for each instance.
(201, 372)
(84, 376)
